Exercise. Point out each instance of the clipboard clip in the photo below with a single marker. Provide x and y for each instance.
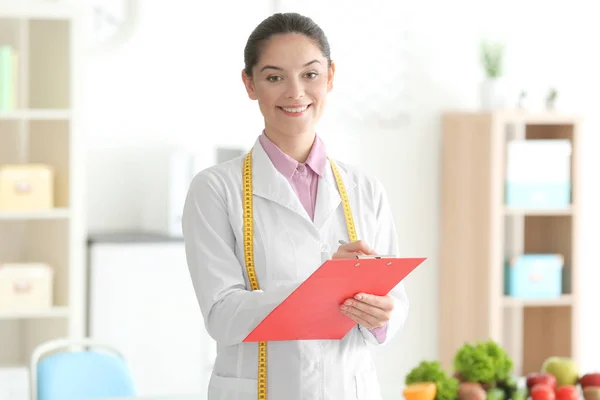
(376, 257)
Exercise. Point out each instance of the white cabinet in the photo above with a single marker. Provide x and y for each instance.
(141, 300)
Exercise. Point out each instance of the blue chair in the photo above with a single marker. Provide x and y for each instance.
(79, 370)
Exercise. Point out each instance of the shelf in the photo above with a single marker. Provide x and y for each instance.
(57, 213)
(54, 312)
(49, 63)
(508, 211)
(551, 235)
(10, 46)
(539, 118)
(43, 240)
(31, 115)
(520, 117)
(9, 142)
(36, 9)
(21, 333)
(479, 231)
(49, 144)
(40, 52)
(547, 331)
(40, 47)
(562, 301)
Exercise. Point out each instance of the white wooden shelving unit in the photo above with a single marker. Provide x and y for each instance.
(44, 127)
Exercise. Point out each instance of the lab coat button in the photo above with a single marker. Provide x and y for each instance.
(325, 247)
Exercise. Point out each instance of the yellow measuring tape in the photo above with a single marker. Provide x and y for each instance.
(249, 250)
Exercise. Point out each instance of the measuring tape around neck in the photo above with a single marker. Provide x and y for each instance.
(249, 249)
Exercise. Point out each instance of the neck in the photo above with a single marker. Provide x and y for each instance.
(296, 146)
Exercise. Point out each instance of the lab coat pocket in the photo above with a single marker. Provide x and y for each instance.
(279, 235)
(367, 385)
(226, 388)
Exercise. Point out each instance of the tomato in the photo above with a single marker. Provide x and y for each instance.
(567, 392)
(542, 391)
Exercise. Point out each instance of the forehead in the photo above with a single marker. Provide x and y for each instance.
(290, 50)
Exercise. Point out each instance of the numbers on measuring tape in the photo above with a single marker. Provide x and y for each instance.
(250, 270)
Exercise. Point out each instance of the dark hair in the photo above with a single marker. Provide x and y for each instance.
(283, 23)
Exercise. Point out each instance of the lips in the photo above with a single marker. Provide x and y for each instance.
(296, 109)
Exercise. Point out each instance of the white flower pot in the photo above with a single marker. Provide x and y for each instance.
(494, 94)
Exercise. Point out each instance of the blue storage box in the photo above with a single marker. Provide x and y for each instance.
(534, 276)
(538, 195)
(538, 173)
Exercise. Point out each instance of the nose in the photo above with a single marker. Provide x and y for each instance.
(295, 89)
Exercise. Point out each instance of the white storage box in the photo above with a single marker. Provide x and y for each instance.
(538, 173)
(25, 287)
(26, 187)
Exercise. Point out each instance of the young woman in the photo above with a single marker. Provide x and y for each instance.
(257, 226)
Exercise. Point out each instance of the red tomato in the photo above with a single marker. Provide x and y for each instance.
(567, 392)
(542, 392)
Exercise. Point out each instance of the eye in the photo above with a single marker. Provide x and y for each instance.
(311, 75)
(274, 78)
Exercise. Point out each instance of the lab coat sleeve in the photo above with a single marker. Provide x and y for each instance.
(386, 242)
(230, 309)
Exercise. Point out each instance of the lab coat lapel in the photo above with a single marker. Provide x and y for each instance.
(328, 195)
(270, 184)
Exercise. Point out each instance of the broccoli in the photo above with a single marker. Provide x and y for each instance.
(474, 364)
(431, 371)
(484, 362)
(503, 365)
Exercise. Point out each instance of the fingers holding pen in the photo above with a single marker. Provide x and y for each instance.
(352, 249)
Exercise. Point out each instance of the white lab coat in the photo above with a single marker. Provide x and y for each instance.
(288, 246)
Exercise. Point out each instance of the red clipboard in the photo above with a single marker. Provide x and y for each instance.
(312, 310)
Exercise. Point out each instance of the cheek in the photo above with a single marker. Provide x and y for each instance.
(320, 96)
(319, 91)
(267, 96)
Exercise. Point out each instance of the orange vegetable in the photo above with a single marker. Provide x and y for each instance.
(420, 391)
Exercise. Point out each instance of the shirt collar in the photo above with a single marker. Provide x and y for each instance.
(317, 158)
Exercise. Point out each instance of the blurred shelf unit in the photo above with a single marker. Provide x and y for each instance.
(508, 248)
(42, 238)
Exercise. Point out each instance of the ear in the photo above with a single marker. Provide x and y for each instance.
(249, 84)
(330, 74)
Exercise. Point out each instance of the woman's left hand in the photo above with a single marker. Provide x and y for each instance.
(369, 310)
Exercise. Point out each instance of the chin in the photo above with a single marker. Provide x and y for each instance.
(298, 129)
(293, 127)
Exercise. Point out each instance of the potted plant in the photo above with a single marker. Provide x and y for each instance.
(551, 99)
(493, 91)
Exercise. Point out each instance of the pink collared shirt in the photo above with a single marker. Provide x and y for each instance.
(304, 179)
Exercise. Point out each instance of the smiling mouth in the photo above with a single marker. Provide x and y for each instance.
(295, 110)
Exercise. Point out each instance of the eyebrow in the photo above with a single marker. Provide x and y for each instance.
(281, 69)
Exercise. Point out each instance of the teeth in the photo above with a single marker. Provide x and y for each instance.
(295, 110)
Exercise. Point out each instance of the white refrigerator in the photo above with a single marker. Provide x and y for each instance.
(140, 299)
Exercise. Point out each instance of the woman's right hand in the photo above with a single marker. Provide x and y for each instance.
(353, 249)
